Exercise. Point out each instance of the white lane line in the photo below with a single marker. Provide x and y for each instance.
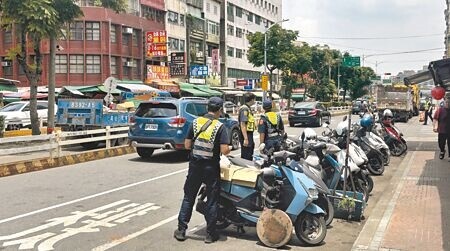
(91, 196)
(134, 235)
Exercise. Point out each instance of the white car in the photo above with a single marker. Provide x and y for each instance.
(17, 114)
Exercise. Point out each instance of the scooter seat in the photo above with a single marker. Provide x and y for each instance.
(318, 146)
(241, 162)
(244, 176)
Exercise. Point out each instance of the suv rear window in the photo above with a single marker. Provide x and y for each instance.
(153, 110)
(197, 109)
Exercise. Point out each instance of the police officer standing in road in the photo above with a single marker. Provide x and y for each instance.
(247, 124)
(271, 127)
(208, 138)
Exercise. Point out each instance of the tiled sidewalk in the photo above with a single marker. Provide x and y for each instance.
(417, 216)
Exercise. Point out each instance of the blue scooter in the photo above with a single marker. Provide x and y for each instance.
(247, 192)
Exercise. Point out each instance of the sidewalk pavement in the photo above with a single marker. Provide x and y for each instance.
(415, 215)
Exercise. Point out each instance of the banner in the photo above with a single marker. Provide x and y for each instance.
(156, 43)
(157, 72)
(215, 61)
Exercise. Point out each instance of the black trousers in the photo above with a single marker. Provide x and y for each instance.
(428, 115)
(247, 151)
(201, 171)
(442, 138)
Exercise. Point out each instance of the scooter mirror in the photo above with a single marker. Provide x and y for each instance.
(303, 136)
(344, 118)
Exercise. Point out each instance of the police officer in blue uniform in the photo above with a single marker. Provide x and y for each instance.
(247, 125)
(270, 127)
(207, 138)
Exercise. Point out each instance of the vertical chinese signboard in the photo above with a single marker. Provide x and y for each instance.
(215, 61)
(178, 64)
(156, 42)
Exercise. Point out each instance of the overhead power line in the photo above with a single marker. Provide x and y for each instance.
(376, 38)
(405, 52)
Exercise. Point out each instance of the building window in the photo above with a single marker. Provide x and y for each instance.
(153, 14)
(125, 68)
(257, 20)
(208, 7)
(76, 64)
(230, 12)
(239, 32)
(213, 28)
(114, 70)
(93, 31)
(215, 9)
(113, 33)
(125, 39)
(230, 51)
(181, 20)
(276, 10)
(238, 11)
(7, 70)
(135, 37)
(172, 17)
(250, 17)
(136, 69)
(92, 64)
(230, 30)
(76, 31)
(61, 64)
(7, 37)
(182, 45)
(174, 44)
(238, 53)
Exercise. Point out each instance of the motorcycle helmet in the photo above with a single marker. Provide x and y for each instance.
(310, 134)
(341, 128)
(366, 121)
(388, 113)
(267, 104)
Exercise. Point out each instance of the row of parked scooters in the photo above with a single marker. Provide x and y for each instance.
(297, 183)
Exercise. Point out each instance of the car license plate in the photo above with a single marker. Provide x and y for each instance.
(301, 112)
(151, 127)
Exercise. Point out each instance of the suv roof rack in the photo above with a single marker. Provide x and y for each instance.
(192, 98)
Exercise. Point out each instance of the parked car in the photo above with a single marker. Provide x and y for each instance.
(228, 106)
(164, 123)
(308, 113)
(18, 113)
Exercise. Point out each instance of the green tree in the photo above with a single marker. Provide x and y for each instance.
(36, 20)
(279, 47)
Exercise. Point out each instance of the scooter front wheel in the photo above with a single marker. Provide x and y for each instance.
(397, 148)
(310, 229)
(376, 164)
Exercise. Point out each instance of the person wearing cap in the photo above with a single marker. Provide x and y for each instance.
(271, 127)
(207, 138)
(247, 125)
(441, 125)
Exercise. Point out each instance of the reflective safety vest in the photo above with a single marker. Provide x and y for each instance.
(251, 119)
(273, 128)
(204, 144)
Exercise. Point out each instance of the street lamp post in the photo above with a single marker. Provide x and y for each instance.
(265, 54)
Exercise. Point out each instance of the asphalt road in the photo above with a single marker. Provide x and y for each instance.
(125, 203)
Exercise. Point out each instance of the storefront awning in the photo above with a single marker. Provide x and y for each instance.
(234, 93)
(205, 88)
(189, 88)
(135, 88)
(166, 86)
(8, 85)
(70, 90)
(418, 78)
(260, 95)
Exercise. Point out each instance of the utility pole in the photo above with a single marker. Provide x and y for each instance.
(223, 44)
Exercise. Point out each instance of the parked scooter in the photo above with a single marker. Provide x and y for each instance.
(281, 186)
(392, 135)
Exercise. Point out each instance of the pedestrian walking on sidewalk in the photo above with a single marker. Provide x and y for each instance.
(207, 138)
(441, 125)
(247, 125)
(428, 111)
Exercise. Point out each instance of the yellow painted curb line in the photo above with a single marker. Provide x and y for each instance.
(46, 163)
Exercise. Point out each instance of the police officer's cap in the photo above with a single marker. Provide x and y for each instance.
(215, 103)
(267, 104)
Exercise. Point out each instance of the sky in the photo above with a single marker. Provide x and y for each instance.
(331, 19)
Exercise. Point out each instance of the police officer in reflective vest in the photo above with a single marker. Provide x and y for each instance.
(271, 127)
(208, 138)
(247, 125)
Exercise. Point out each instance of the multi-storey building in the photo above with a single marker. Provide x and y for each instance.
(244, 17)
(447, 30)
(100, 44)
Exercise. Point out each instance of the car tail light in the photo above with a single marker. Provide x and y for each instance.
(313, 111)
(177, 122)
(291, 112)
(132, 120)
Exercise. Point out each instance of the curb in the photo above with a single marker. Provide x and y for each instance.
(47, 163)
(372, 234)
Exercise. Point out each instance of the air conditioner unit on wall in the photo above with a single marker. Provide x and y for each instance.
(128, 30)
(6, 63)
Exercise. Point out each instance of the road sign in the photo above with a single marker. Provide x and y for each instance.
(352, 61)
(199, 71)
(265, 82)
(110, 84)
